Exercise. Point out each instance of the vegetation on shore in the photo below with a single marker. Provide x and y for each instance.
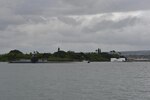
(60, 55)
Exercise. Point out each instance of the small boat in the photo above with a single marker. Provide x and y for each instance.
(88, 62)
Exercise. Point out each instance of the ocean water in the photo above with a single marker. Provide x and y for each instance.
(75, 81)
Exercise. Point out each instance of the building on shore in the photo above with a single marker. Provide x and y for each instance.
(118, 59)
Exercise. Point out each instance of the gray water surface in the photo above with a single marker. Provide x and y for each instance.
(75, 81)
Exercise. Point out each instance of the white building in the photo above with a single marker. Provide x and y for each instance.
(118, 59)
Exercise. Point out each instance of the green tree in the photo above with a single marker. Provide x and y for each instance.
(15, 55)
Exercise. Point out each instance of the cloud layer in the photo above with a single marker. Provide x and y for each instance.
(78, 25)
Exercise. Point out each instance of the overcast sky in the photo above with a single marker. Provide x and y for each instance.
(79, 25)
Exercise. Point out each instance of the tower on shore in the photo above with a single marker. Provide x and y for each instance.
(98, 51)
(58, 49)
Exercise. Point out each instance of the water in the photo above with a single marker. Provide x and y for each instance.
(75, 81)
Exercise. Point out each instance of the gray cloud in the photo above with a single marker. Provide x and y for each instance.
(110, 24)
(103, 6)
(79, 25)
(78, 7)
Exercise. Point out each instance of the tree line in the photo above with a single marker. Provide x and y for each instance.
(60, 55)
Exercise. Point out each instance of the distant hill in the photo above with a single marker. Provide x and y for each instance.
(143, 52)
